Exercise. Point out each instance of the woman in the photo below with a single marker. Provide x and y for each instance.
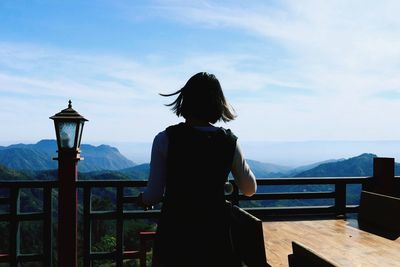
(190, 163)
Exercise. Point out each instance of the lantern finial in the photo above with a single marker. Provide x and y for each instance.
(70, 104)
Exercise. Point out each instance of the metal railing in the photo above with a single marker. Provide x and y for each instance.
(14, 217)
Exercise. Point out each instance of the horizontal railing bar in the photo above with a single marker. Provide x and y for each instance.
(260, 211)
(312, 180)
(102, 255)
(150, 214)
(112, 183)
(33, 216)
(28, 184)
(260, 181)
(103, 215)
(137, 214)
(296, 210)
(111, 215)
(289, 195)
(143, 183)
(133, 254)
(128, 200)
(30, 257)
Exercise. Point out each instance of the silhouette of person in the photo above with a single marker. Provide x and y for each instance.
(190, 164)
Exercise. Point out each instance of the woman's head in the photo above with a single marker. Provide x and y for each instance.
(202, 98)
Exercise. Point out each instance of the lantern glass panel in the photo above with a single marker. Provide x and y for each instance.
(67, 132)
(80, 133)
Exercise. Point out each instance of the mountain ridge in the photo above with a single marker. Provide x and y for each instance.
(361, 165)
(39, 156)
(105, 158)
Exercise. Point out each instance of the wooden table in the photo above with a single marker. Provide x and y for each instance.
(339, 241)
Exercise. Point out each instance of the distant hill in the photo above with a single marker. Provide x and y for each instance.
(26, 158)
(138, 172)
(105, 162)
(7, 174)
(267, 170)
(35, 157)
(361, 165)
(297, 170)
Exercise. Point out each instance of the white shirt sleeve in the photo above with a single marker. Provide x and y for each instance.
(158, 170)
(153, 194)
(244, 177)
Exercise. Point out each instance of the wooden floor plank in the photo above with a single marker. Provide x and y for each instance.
(337, 240)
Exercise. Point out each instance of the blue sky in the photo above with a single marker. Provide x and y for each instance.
(293, 70)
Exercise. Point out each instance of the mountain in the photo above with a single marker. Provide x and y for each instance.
(297, 170)
(103, 157)
(361, 165)
(137, 172)
(20, 158)
(35, 157)
(267, 170)
(7, 174)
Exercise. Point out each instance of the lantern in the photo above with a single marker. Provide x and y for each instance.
(69, 125)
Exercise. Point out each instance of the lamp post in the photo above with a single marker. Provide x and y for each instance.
(68, 125)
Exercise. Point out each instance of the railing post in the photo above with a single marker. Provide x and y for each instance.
(384, 181)
(14, 228)
(340, 200)
(87, 225)
(120, 227)
(67, 208)
(47, 227)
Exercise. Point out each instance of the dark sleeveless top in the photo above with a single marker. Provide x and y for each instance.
(193, 227)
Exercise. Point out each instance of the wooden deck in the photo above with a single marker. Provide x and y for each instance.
(337, 240)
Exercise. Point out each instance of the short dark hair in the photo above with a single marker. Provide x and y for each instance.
(202, 98)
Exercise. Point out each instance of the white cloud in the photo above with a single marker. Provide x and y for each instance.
(332, 43)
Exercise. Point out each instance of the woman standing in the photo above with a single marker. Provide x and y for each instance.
(190, 163)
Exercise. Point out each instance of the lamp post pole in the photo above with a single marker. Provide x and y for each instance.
(68, 125)
(67, 209)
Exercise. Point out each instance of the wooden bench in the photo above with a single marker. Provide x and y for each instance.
(303, 256)
(379, 214)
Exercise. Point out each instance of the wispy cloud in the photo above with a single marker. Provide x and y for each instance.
(110, 89)
(339, 45)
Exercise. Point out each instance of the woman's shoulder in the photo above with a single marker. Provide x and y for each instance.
(161, 137)
(175, 127)
(228, 132)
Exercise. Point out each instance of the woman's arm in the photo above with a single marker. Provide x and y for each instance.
(244, 177)
(156, 185)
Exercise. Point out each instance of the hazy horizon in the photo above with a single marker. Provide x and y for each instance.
(291, 153)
